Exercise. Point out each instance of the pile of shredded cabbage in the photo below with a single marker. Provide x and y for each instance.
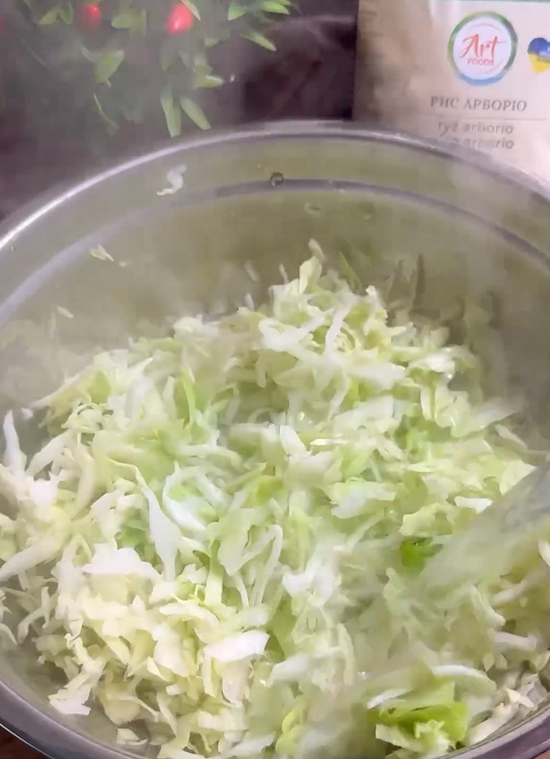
(215, 544)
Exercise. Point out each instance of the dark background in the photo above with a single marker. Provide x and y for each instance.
(45, 138)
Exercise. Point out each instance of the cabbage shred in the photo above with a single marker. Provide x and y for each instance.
(218, 538)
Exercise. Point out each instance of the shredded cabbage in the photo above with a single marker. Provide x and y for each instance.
(218, 537)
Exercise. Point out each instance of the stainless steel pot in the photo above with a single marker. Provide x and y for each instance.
(462, 223)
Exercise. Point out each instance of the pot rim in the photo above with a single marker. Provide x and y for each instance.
(49, 200)
(26, 721)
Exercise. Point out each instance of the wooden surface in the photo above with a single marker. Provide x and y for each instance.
(11, 748)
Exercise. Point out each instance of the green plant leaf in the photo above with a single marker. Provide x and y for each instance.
(111, 125)
(193, 8)
(235, 11)
(259, 39)
(211, 42)
(107, 64)
(124, 20)
(88, 54)
(195, 113)
(172, 113)
(51, 17)
(270, 6)
(66, 13)
(212, 81)
(203, 76)
(200, 63)
(134, 20)
(168, 57)
(140, 26)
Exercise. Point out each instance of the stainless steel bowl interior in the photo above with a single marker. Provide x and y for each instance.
(454, 224)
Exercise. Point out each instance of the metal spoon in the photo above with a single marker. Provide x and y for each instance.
(493, 542)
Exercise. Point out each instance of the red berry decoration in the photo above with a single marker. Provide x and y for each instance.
(88, 16)
(180, 19)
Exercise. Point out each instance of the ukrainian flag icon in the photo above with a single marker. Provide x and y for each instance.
(539, 54)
